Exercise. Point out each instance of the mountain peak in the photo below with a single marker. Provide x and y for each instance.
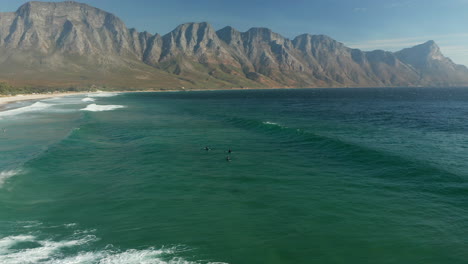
(314, 38)
(229, 34)
(38, 4)
(429, 43)
(71, 27)
(46, 36)
(318, 36)
(259, 29)
(428, 50)
(189, 38)
(430, 46)
(65, 9)
(308, 42)
(427, 46)
(193, 30)
(228, 30)
(196, 24)
(261, 34)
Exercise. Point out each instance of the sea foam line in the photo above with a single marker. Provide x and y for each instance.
(100, 108)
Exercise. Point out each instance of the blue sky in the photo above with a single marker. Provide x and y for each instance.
(365, 24)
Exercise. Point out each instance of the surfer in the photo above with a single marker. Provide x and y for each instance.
(228, 158)
(229, 151)
(207, 148)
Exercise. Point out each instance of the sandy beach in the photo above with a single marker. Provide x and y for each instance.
(27, 97)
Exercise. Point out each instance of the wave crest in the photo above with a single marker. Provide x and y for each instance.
(51, 252)
(88, 99)
(100, 108)
(42, 251)
(4, 175)
(37, 106)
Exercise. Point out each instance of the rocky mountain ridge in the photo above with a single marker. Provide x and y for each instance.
(69, 43)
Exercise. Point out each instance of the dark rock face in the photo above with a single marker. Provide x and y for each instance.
(71, 33)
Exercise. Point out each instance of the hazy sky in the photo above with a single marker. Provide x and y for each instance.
(365, 24)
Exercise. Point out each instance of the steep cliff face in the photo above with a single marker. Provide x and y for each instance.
(74, 44)
(192, 40)
(68, 27)
(197, 43)
(70, 42)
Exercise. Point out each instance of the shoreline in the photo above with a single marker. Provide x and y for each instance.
(4, 100)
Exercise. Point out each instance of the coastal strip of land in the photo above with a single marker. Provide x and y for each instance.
(29, 97)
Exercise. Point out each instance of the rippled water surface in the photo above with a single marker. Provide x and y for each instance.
(315, 176)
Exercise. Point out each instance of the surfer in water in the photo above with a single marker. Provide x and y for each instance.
(228, 158)
(207, 148)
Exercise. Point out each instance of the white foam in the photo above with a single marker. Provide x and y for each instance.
(37, 106)
(7, 242)
(103, 94)
(88, 99)
(31, 224)
(133, 256)
(81, 258)
(270, 123)
(49, 252)
(4, 175)
(45, 251)
(70, 225)
(99, 108)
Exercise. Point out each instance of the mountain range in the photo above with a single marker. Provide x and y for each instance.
(73, 44)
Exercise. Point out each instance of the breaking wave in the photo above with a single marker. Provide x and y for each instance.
(4, 175)
(99, 108)
(30, 108)
(103, 94)
(271, 123)
(30, 249)
(88, 99)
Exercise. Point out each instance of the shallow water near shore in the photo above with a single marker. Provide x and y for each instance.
(315, 176)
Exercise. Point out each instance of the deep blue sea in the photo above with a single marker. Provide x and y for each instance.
(314, 176)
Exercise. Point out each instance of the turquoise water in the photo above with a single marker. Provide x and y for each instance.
(316, 176)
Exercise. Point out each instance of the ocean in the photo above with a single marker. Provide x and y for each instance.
(314, 176)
